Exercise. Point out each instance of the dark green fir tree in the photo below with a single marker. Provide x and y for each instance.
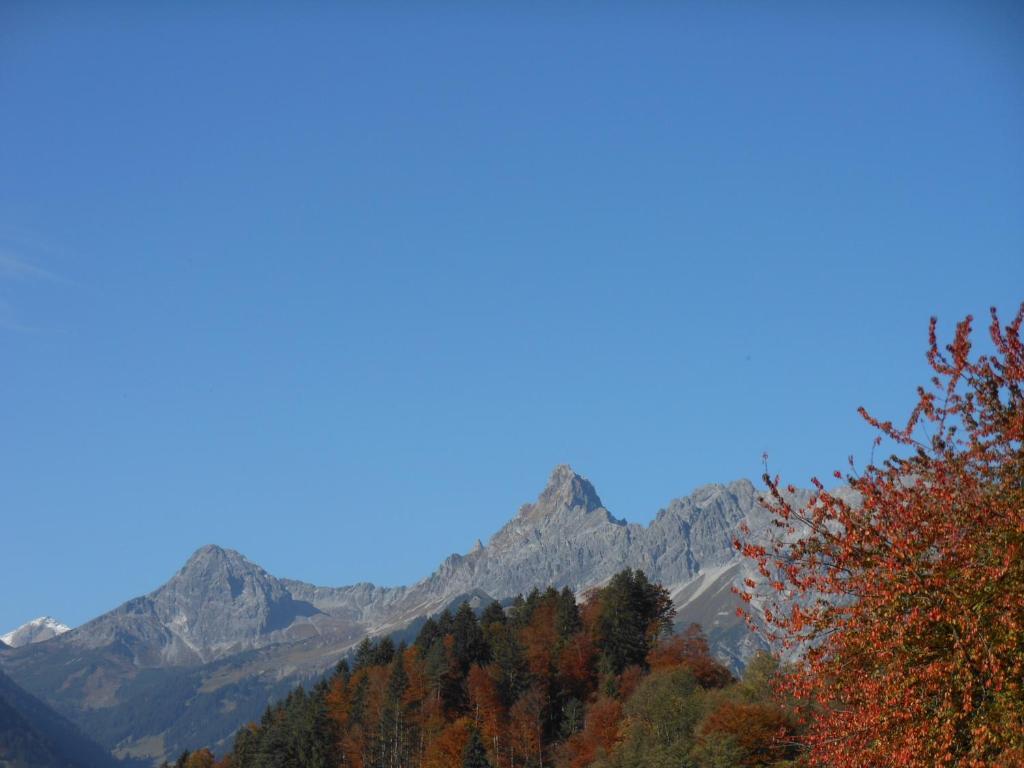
(474, 755)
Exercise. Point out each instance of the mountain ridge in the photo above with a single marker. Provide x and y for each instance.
(222, 636)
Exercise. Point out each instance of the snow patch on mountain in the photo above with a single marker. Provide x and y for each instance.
(35, 631)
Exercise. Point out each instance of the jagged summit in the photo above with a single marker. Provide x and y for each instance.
(213, 571)
(565, 489)
(210, 554)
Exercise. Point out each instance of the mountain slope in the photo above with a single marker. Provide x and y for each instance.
(188, 663)
(34, 736)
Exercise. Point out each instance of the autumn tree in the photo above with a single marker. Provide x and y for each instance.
(905, 592)
(598, 736)
(485, 705)
(757, 734)
(201, 758)
(660, 716)
(446, 751)
(690, 649)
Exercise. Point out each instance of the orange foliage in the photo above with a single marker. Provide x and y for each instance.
(540, 639)
(910, 600)
(525, 730)
(628, 681)
(690, 649)
(599, 735)
(446, 750)
(201, 758)
(577, 664)
(762, 731)
(485, 702)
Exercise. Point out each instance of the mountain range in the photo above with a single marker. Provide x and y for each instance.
(187, 664)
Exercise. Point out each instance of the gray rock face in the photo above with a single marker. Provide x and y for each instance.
(218, 604)
(222, 636)
(568, 538)
(221, 602)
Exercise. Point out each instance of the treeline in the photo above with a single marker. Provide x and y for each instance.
(547, 682)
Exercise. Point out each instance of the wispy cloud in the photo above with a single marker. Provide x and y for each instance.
(9, 320)
(14, 267)
(17, 269)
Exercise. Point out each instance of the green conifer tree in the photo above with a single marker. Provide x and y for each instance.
(470, 647)
(474, 755)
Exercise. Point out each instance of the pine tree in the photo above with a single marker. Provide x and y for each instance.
(634, 613)
(445, 622)
(429, 634)
(493, 614)
(474, 755)
(384, 653)
(343, 670)
(364, 654)
(511, 672)
(470, 647)
(567, 614)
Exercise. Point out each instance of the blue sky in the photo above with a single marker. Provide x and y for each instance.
(337, 285)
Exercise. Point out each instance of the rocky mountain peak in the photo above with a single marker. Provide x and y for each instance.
(35, 631)
(219, 598)
(565, 490)
(212, 556)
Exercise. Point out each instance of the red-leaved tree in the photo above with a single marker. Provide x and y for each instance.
(906, 598)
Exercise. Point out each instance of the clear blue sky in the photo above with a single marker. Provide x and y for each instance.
(337, 285)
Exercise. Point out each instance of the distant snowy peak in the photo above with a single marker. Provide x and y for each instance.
(35, 631)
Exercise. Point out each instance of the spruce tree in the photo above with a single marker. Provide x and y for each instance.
(429, 633)
(384, 653)
(474, 755)
(364, 654)
(469, 647)
(445, 622)
(567, 615)
(634, 613)
(493, 614)
(513, 673)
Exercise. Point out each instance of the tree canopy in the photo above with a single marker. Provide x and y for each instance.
(547, 683)
(907, 597)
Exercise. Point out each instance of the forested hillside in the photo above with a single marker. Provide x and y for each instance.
(547, 682)
(34, 736)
